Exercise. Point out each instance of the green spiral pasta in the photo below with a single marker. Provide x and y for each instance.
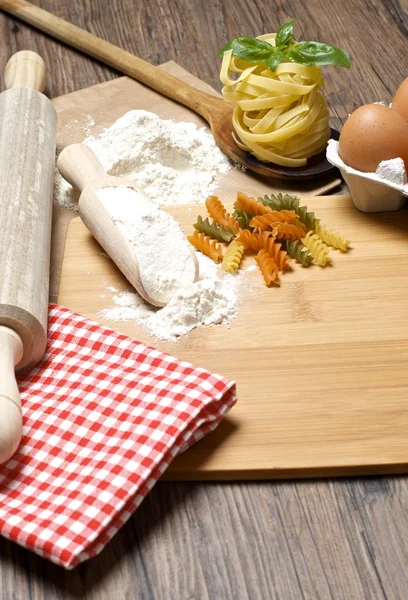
(288, 202)
(242, 218)
(215, 231)
(297, 251)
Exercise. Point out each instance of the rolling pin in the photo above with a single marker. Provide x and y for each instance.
(28, 126)
(82, 169)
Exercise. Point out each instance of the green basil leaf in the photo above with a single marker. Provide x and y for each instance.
(285, 34)
(315, 53)
(249, 49)
(275, 59)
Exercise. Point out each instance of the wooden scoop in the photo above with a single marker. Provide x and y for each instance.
(215, 111)
(81, 168)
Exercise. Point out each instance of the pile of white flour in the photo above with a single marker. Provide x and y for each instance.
(172, 163)
(211, 299)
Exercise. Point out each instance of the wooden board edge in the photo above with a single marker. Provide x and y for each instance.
(286, 474)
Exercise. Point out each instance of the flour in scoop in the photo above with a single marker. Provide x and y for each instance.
(165, 258)
(172, 163)
(168, 266)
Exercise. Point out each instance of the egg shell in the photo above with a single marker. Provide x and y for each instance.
(400, 102)
(371, 134)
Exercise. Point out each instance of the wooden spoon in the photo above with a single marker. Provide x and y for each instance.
(81, 168)
(215, 111)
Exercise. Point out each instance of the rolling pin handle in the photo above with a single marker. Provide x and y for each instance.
(25, 69)
(11, 421)
(79, 165)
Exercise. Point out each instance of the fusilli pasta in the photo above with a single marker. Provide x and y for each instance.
(317, 248)
(219, 213)
(254, 240)
(215, 231)
(268, 266)
(206, 245)
(250, 205)
(335, 239)
(288, 202)
(297, 250)
(242, 218)
(263, 222)
(233, 256)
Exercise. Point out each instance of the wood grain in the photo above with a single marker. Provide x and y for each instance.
(343, 539)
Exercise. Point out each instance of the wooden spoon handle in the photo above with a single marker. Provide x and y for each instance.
(11, 422)
(25, 69)
(79, 166)
(125, 62)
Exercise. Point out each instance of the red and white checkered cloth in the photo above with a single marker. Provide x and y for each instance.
(104, 416)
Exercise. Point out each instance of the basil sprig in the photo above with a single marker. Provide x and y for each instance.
(305, 53)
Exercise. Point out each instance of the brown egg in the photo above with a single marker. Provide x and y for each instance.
(400, 102)
(373, 133)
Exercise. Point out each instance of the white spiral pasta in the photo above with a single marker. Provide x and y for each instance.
(332, 238)
(317, 248)
(280, 116)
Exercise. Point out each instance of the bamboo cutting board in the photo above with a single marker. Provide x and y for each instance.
(321, 364)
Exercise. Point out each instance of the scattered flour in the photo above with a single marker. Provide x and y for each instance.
(166, 261)
(211, 299)
(393, 170)
(172, 163)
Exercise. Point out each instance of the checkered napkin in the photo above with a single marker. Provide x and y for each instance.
(104, 416)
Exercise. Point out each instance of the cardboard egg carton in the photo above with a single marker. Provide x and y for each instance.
(372, 192)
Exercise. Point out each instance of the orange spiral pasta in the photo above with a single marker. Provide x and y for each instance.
(268, 266)
(254, 240)
(266, 240)
(270, 220)
(288, 231)
(250, 205)
(273, 248)
(219, 213)
(206, 245)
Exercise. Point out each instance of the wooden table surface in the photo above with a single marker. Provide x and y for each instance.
(342, 539)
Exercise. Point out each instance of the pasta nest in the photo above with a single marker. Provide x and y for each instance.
(280, 116)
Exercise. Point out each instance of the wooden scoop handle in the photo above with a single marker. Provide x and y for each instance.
(25, 69)
(11, 422)
(154, 77)
(79, 166)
